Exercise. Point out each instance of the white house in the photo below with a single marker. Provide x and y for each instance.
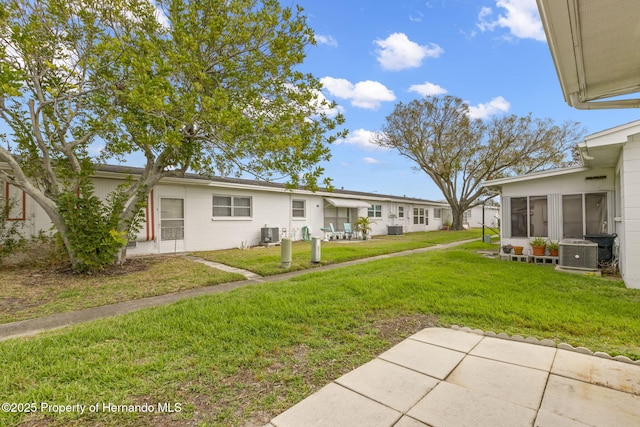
(601, 197)
(195, 213)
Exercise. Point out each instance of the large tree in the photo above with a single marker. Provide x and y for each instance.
(209, 86)
(459, 153)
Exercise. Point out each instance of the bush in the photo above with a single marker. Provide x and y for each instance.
(92, 228)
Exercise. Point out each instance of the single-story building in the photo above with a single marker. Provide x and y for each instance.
(601, 197)
(196, 213)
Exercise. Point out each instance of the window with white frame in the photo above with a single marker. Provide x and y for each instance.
(375, 211)
(231, 206)
(529, 216)
(584, 214)
(298, 209)
(437, 213)
(400, 211)
(420, 216)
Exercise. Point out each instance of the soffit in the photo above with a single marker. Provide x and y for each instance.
(594, 47)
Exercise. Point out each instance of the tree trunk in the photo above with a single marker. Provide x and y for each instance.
(456, 217)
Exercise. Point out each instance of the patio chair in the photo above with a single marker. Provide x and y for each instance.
(331, 230)
(348, 231)
(306, 235)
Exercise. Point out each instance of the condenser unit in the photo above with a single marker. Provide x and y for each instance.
(269, 235)
(578, 254)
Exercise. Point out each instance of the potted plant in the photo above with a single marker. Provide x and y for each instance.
(538, 246)
(553, 247)
(446, 224)
(363, 224)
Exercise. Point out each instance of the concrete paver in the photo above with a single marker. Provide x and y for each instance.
(452, 405)
(428, 359)
(513, 383)
(337, 406)
(392, 385)
(475, 380)
(524, 354)
(444, 338)
(599, 371)
(591, 404)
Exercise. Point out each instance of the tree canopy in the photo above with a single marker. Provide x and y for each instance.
(209, 86)
(459, 153)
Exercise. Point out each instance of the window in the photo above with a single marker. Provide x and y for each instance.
(518, 217)
(298, 209)
(12, 202)
(538, 217)
(584, 214)
(437, 213)
(529, 216)
(400, 211)
(420, 216)
(375, 211)
(231, 206)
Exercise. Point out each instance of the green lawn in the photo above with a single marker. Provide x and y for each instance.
(244, 356)
(26, 294)
(266, 261)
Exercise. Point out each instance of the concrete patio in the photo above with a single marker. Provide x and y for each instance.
(449, 377)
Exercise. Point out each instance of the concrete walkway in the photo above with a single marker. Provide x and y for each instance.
(60, 320)
(447, 377)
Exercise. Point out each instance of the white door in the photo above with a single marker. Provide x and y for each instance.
(171, 225)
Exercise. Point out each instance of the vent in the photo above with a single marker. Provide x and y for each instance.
(269, 235)
(578, 254)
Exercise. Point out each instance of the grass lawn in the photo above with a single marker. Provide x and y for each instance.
(242, 357)
(25, 294)
(266, 261)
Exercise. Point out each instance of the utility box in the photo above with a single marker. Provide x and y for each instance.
(394, 230)
(315, 250)
(578, 254)
(269, 235)
(285, 253)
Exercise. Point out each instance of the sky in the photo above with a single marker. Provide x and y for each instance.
(372, 54)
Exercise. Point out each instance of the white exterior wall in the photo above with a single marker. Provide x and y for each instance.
(270, 207)
(554, 187)
(491, 216)
(629, 222)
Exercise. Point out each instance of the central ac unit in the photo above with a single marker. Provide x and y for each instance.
(578, 254)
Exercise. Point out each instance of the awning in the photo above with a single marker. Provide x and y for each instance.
(347, 203)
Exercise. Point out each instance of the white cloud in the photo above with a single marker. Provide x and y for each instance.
(328, 40)
(495, 106)
(428, 89)
(367, 94)
(521, 17)
(370, 160)
(397, 52)
(362, 138)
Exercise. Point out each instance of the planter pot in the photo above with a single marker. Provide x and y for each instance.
(507, 249)
(538, 250)
(518, 250)
(553, 252)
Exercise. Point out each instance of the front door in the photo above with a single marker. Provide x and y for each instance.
(171, 225)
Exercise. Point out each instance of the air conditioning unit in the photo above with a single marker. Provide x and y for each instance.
(578, 254)
(269, 235)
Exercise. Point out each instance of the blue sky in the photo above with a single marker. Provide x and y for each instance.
(372, 54)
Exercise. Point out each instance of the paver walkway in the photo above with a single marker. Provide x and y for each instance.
(60, 320)
(447, 377)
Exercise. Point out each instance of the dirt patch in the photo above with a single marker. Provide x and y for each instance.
(398, 328)
(60, 276)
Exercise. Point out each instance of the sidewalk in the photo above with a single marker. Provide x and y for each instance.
(60, 320)
(447, 377)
